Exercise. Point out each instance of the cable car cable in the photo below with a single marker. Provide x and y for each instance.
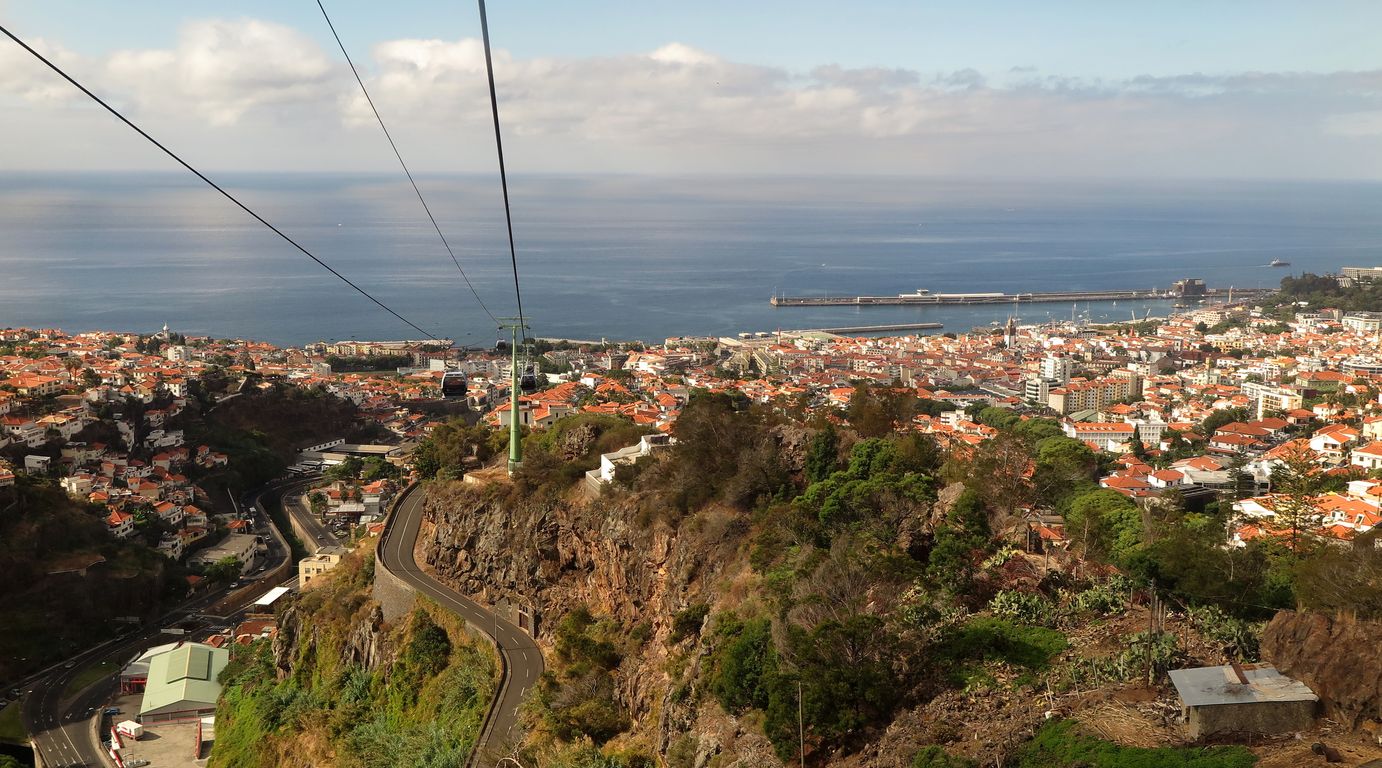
(406, 172)
(212, 184)
(499, 147)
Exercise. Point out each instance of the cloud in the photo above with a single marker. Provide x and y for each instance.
(250, 89)
(964, 78)
(682, 55)
(26, 77)
(222, 69)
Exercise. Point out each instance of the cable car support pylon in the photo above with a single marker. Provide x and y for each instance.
(518, 327)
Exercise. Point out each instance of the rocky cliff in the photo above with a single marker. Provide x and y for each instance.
(555, 554)
(1339, 658)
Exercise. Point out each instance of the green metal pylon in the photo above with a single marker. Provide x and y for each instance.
(515, 447)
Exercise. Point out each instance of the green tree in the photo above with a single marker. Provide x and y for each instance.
(349, 469)
(1343, 578)
(1105, 523)
(744, 663)
(959, 542)
(1036, 430)
(823, 456)
(223, 571)
(1135, 443)
(1063, 466)
(1221, 417)
(1296, 481)
(375, 468)
(867, 413)
(998, 418)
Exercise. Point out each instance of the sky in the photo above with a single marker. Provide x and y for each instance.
(1278, 90)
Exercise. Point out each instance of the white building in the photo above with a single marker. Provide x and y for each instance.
(240, 546)
(313, 566)
(1368, 457)
(77, 485)
(1105, 436)
(1272, 397)
(1038, 390)
(610, 462)
(1363, 322)
(1056, 367)
(1362, 365)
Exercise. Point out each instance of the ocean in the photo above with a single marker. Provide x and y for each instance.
(646, 258)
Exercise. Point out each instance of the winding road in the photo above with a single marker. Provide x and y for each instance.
(522, 663)
(296, 504)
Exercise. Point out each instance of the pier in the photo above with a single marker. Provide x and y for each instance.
(926, 298)
(875, 328)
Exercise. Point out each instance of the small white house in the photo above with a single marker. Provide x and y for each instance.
(609, 462)
(1368, 457)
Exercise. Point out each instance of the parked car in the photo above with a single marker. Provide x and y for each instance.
(112, 710)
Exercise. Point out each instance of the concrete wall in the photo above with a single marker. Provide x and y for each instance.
(298, 531)
(1266, 718)
(394, 596)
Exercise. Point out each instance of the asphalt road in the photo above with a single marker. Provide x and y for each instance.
(318, 535)
(62, 728)
(522, 660)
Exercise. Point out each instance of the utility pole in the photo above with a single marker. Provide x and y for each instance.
(515, 447)
(1153, 606)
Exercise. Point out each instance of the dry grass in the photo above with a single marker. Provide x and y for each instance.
(1126, 725)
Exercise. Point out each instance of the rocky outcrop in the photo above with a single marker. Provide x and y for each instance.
(285, 644)
(554, 554)
(364, 644)
(1339, 658)
(365, 641)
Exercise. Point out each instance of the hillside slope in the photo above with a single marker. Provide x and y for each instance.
(341, 687)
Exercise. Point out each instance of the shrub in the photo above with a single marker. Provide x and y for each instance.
(989, 639)
(1057, 745)
(1105, 597)
(688, 621)
(1132, 662)
(1237, 638)
(581, 644)
(1023, 607)
(743, 663)
(935, 757)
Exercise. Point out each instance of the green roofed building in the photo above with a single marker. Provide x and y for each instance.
(182, 683)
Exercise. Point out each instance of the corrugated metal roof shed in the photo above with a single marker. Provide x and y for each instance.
(184, 679)
(1237, 684)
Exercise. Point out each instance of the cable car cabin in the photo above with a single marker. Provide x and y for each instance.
(453, 385)
(528, 382)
